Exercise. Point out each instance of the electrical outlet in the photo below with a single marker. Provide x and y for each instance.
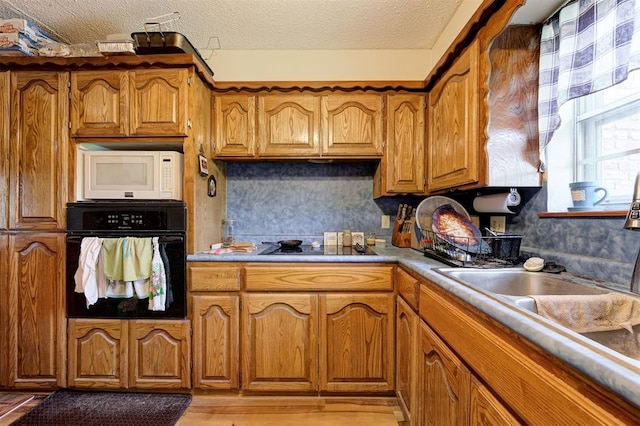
(498, 223)
(385, 222)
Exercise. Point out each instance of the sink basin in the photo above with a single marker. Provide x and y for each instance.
(516, 285)
(517, 282)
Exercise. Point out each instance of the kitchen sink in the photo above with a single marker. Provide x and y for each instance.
(517, 282)
(517, 285)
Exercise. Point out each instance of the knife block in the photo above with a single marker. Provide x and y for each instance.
(398, 238)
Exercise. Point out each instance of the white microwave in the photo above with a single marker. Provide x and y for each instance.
(145, 175)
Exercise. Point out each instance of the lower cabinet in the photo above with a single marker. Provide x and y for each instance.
(32, 317)
(486, 409)
(279, 345)
(281, 351)
(129, 354)
(445, 383)
(357, 342)
(215, 322)
(407, 345)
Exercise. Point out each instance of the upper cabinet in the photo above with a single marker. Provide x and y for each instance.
(453, 144)
(352, 125)
(288, 125)
(37, 151)
(298, 125)
(235, 129)
(149, 102)
(99, 103)
(482, 111)
(401, 169)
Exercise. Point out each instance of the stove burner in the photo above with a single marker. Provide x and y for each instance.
(306, 249)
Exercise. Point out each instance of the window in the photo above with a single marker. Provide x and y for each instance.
(605, 129)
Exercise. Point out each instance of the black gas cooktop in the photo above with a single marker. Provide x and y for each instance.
(305, 249)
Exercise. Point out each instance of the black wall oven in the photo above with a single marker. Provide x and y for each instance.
(115, 219)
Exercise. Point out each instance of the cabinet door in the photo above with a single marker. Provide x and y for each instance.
(99, 103)
(98, 353)
(235, 126)
(216, 329)
(352, 125)
(403, 160)
(39, 145)
(280, 347)
(159, 354)
(445, 383)
(357, 342)
(5, 107)
(454, 136)
(486, 410)
(288, 125)
(32, 312)
(159, 102)
(407, 339)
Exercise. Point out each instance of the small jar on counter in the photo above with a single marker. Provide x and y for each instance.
(346, 238)
(371, 239)
(228, 231)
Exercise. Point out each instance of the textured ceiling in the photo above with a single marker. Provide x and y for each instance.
(252, 24)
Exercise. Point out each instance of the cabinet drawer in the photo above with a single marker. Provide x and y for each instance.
(319, 277)
(407, 287)
(212, 276)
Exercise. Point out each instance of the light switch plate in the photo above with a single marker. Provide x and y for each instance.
(498, 223)
(385, 222)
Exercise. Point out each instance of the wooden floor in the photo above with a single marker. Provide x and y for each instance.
(213, 410)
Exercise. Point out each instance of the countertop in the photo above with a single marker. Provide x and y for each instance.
(611, 369)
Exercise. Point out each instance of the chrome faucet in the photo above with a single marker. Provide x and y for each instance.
(633, 222)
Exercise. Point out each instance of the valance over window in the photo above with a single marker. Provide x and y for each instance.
(587, 46)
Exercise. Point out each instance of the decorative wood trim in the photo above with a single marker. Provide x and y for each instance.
(319, 86)
(179, 60)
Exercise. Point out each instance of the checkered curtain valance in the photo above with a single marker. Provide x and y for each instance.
(587, 46)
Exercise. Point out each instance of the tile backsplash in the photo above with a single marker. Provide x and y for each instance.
(272, 201)
(596, 247)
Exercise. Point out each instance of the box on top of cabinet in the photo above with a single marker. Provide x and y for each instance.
(27, 28)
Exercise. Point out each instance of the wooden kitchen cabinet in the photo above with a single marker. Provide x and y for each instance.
(5, 109)
(129, 354)
(216, 329)
(98, 353)
(279, 342)
(214, 310)
(100, 103)
(349, 306)
(402, 167)
(486, 409)
(445, 383)
(453, 143)
(299, 125)
(32, 316)
(141, 102)
(38, 149)
(234, 126)
(407, 346)
(357, 342)
(512, 380)
(288, 125)
(352, 125)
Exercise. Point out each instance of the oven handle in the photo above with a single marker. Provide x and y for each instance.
(161, 239)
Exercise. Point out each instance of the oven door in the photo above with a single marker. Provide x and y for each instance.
(175, 264)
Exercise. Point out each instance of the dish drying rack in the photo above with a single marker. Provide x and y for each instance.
(501, 250)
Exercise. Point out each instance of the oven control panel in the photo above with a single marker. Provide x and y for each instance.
(108, 216)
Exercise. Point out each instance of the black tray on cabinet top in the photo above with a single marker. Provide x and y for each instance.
(161, 43)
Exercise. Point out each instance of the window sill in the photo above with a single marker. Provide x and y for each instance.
(598, 213)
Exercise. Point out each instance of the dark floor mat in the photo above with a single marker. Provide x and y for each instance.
(68, 407)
